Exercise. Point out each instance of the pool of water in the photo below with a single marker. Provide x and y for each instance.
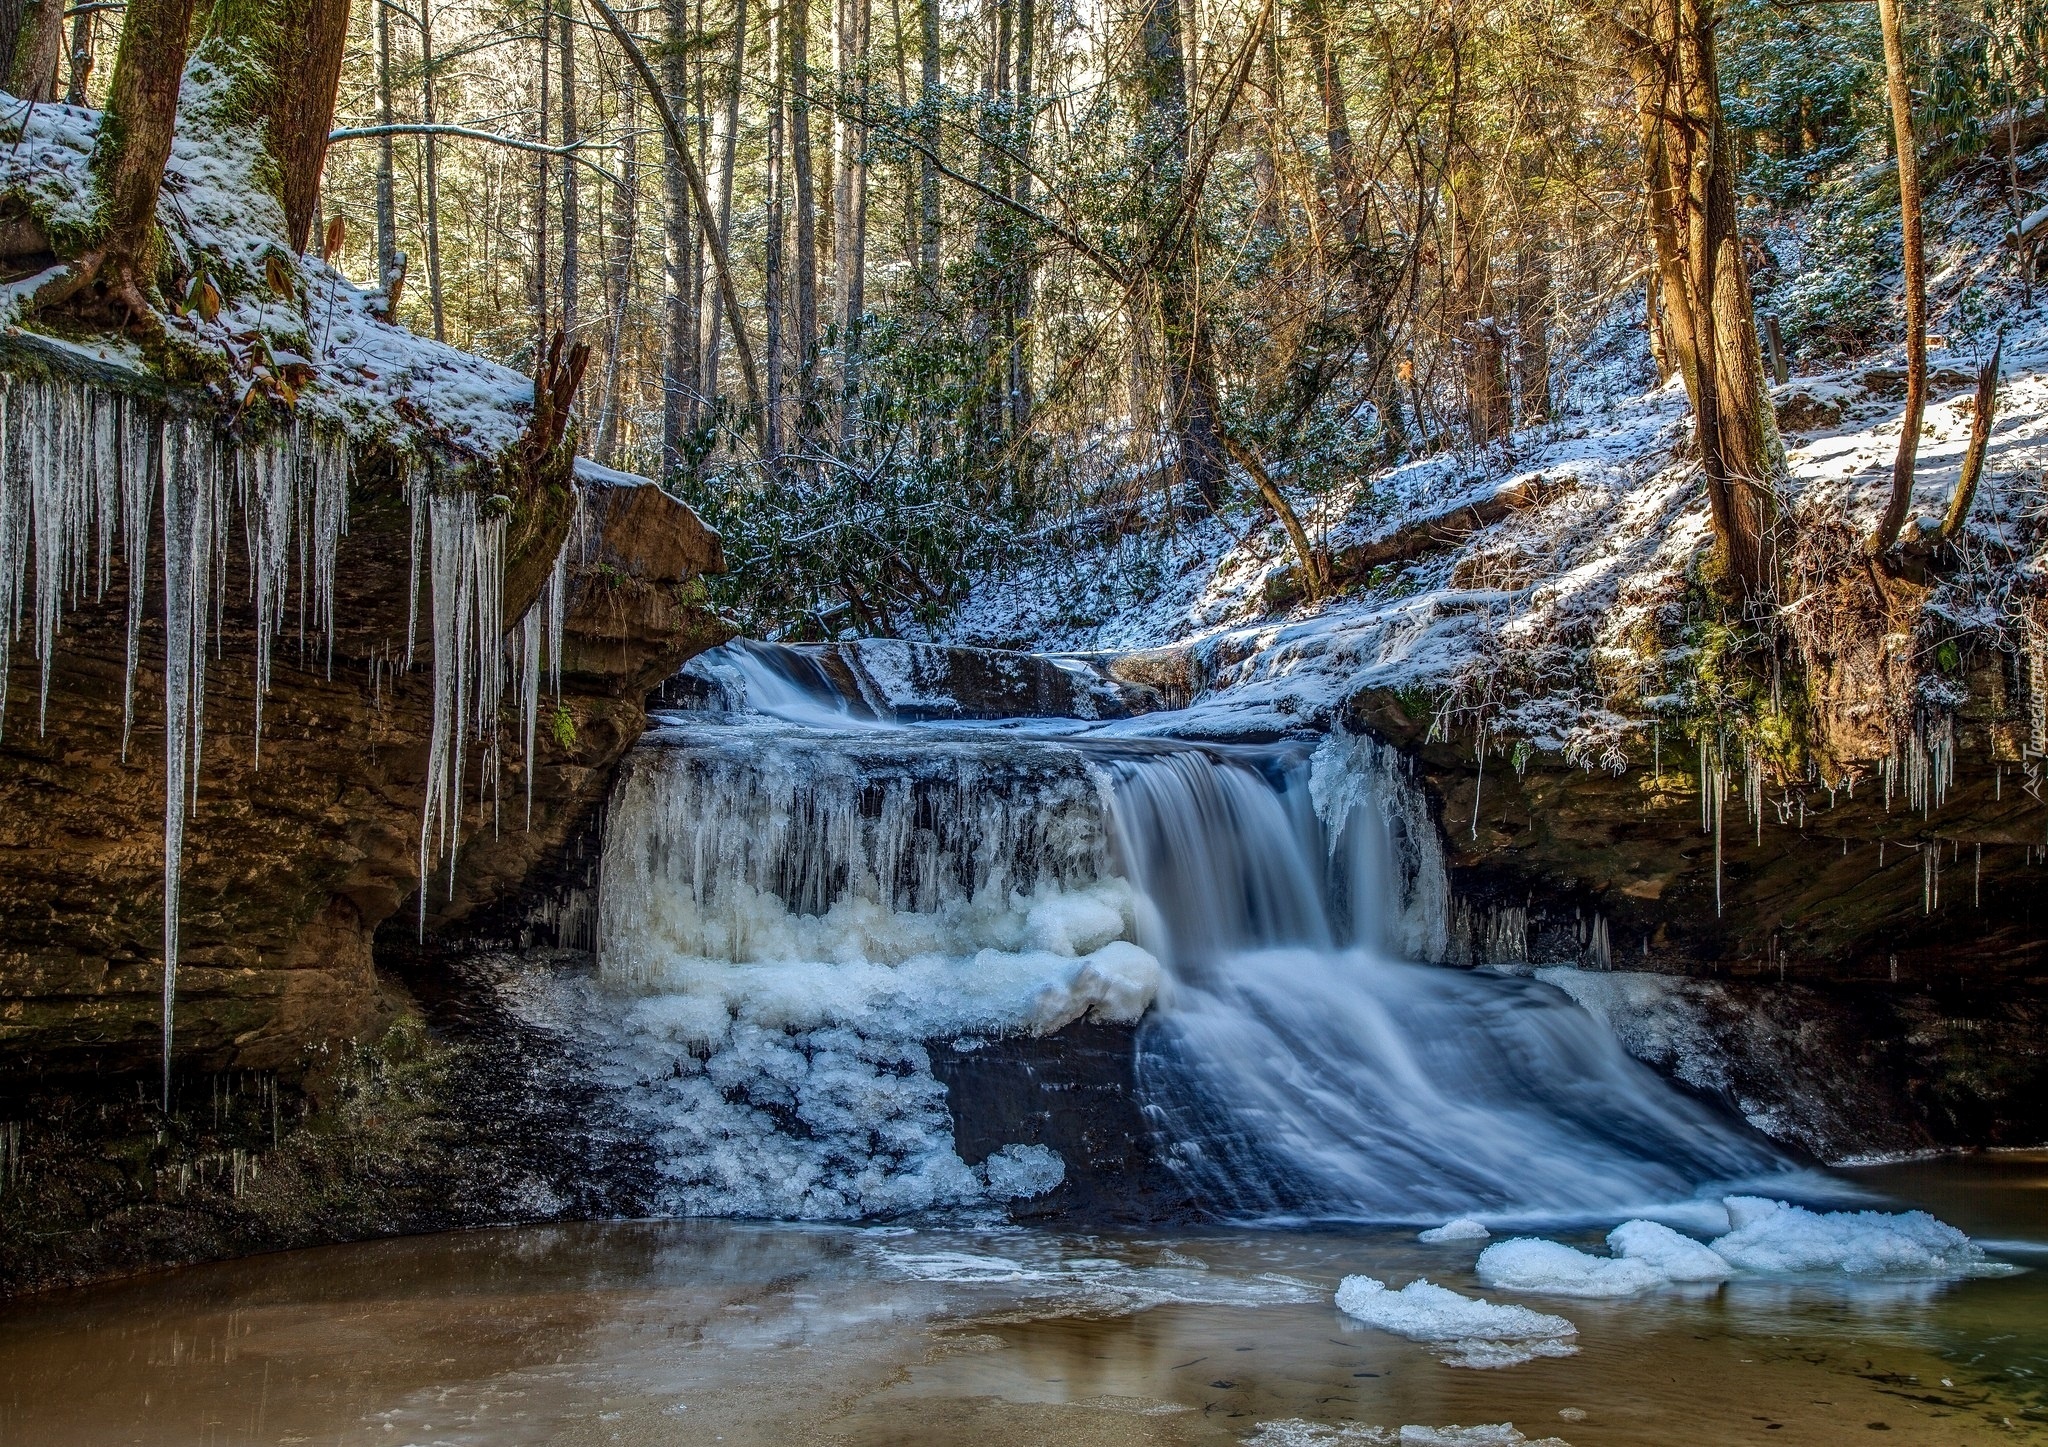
(745, 1333)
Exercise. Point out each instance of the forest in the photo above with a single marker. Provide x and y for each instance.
(1217, 723)
(898, 298)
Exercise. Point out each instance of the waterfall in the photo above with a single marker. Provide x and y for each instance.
(1300, 1065)
(799, 903)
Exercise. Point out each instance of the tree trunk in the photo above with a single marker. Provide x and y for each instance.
(387, 194)
(134, 142)
(1707, 308)
(1532, 331)
(82, 27)
(542, 188)
(31, 41)
(571, 202)
(728, 160)
(772, 262)
(851, 254)
(928, 169)
(679, 356)
(1899, 91)
(619, 281)
(1190, 372)
(806, 212)
(1024, 275)
(431, 159)
(1481, 346)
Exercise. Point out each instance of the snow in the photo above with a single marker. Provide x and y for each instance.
(1462, 1229)
(1672, 1256)
(1764, 1236)
(1557, 625)
(370, 378)
(1466, 1331)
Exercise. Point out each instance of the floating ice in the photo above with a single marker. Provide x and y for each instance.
(1767, 1235)
(1297, 1433)
(1527, 1264)
(1462, 1229)
(1466, 1331)
(1673, 1256)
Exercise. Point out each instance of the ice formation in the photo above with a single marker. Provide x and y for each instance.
(1023, 1171)
(1763, 1236)
(82, 468)
(1466, 1331)
(1462, 1229)
(787, 917)
(86, 472)
(1526, 1264)
(1767, 1235)
(1294, 1432)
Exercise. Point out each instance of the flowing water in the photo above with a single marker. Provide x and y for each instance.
(803, 899)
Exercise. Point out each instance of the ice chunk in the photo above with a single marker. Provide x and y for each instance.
(1298, 1433)
(1462, 1229)
(1527, 1264)
(1467, 1331)
(1020, 1171)
(1674, 1257)
(1767, 1235)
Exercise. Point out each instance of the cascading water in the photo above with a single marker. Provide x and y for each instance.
(799, 902)
(1300, 1065)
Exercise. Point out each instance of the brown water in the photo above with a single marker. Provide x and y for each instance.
(702, 1332)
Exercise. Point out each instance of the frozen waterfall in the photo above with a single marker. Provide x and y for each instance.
(798, 902)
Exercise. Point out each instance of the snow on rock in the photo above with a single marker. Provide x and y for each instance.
(1465, 1331)
(1767, 1235)
(1558, 624)
(1462, 1229)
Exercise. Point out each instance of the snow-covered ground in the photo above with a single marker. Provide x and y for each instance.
(1560, 624)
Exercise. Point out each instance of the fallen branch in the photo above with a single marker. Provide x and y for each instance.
(1434, 533)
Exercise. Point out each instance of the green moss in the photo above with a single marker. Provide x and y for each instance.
(562, 729)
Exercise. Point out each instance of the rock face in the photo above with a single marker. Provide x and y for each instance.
(293, 860)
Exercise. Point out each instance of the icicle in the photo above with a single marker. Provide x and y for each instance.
(466, 562)
(187, 553)
(13, 533)
(415, 498)
(1720, 796)
(1478, 784)
(142, 446)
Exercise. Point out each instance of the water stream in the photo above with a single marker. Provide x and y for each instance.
(792, 860)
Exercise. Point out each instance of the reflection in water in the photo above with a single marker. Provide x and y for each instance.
(693, 1332)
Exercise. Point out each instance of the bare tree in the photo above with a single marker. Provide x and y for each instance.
(1898, 88)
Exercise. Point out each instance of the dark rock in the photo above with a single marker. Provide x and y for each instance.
(1074, 1091)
